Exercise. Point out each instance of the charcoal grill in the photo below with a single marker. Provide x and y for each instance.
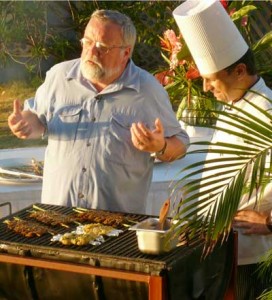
(118, 258)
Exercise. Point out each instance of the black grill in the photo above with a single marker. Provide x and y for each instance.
(178, 267)
(122, 247)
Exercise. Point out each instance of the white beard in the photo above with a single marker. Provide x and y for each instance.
(95, 72)
(92, 71)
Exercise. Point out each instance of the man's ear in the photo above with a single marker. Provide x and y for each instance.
(241, 70)
(128, 51)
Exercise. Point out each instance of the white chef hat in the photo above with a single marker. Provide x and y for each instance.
(213, 39)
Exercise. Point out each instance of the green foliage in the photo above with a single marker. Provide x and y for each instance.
(34, 32)
(214, 187)
(199, 112)
(39, 33)
(22, 31)
(182, 84)
(246, 13)
(265, 273)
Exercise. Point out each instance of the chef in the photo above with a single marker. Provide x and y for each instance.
(226, 64)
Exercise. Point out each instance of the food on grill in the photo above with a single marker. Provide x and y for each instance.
(26, 228)
(97, 229)
(37, 166)
(71, 238)
(51, 217)
(34, 171)
(102, 217)
(87, 234)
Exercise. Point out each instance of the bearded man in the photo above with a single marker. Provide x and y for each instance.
(105, 118)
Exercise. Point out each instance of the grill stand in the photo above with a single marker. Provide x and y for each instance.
(156, 284)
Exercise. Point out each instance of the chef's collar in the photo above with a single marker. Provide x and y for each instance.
(248, 90)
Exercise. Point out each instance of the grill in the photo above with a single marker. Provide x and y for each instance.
(118, 257)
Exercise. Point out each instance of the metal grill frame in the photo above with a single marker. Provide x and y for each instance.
(126, 263)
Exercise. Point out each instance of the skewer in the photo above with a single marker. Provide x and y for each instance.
(29, 230)
(19, 174)
(64, 225)
(80, 209)
(37, 207)
(77, 223)
(50, 214)
(77, 210)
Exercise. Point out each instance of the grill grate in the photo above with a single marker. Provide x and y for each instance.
(122, 247)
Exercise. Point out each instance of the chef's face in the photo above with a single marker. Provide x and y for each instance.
(103, 57)
(225, 85)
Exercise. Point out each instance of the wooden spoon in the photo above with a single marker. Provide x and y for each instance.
(163, 213)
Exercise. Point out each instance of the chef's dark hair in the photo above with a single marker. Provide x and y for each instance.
(249, 60)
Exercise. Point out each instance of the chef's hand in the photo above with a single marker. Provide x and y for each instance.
(148, 140)
(252, 222)
(24, 124)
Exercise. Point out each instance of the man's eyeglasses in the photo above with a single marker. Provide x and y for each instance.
(102, 49)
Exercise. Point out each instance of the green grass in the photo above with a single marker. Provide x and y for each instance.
(9, 92)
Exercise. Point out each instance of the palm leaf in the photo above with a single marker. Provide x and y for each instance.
(242, 12)
(212, 188)
(263, 44)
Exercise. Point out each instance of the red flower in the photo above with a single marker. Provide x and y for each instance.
(224, 3)
(192, 73)
(164, 77)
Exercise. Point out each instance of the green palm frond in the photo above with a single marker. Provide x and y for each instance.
(242, 12)
(263, 44)
(212, 188)
(265, 273)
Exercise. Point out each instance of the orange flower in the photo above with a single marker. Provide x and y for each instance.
(192, 73)
(181, 68)
(165, 77)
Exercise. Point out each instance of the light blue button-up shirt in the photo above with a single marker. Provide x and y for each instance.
(90, 160)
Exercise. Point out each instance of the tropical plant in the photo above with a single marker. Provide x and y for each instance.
(265, 272)
(28, 39)
(181, 78)
(243, 13)
(213, 188)
(183, 82)
(39, 34)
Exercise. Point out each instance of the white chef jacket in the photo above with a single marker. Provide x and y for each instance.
(251, 248)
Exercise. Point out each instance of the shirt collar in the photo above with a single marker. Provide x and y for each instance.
(257, 87)
(129, 79)
(74, 72)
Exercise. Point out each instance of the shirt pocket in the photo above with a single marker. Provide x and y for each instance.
(118, 144)
(64, 124)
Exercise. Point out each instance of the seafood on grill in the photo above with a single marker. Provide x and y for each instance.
(51, 217)
(87, 234)
(97, 229)
(26, 228)
(72, 238)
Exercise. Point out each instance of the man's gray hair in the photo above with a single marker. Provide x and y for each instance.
(127, 27)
